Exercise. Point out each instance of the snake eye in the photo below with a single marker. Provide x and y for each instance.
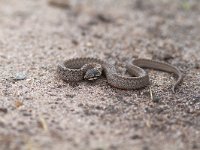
(92, 74)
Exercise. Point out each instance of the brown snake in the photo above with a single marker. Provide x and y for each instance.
(77, 69)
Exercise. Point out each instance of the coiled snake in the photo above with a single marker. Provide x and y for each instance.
(77, 69)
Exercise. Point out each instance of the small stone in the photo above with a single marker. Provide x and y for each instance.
(89, 44)
(4, 110)
(20, 76)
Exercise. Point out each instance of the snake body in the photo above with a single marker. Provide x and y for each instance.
(78, 69)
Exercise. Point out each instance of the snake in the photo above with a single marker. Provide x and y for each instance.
(90, 69)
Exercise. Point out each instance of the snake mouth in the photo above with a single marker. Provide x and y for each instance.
(92, 79)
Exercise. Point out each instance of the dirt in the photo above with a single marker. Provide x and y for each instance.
(40, 111)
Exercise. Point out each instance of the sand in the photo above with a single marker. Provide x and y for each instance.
(39, 111)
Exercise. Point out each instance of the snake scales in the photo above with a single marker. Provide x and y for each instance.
(77, 69)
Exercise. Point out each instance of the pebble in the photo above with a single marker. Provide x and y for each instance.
(20, 76)
(4, 110)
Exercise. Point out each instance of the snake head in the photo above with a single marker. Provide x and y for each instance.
(92, 74)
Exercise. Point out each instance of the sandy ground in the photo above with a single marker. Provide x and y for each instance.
(39, 111)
